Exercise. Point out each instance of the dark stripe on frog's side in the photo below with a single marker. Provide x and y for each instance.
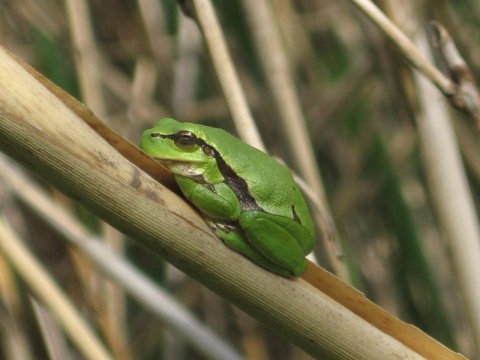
(295, 216)
(239, 185)
(236, 183)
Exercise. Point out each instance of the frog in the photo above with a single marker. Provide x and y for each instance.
(249, 199)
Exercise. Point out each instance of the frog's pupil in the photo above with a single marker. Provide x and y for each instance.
(185, 139)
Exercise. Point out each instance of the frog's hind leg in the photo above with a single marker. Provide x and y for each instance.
(276, 238)
(235, 241)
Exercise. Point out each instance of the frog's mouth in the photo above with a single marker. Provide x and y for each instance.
(178, 167)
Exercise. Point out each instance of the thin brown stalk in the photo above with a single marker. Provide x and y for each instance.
(228, 78)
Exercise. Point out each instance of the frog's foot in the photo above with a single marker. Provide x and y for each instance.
(236, 242)
(221, 227)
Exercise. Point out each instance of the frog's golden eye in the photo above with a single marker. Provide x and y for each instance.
(185, 140)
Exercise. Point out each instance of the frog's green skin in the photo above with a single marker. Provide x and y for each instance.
(250, 200)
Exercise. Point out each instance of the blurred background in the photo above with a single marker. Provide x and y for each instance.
(133, 62)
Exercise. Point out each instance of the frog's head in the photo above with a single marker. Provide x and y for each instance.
(181, 147)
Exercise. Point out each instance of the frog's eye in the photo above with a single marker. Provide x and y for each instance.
(185, 140)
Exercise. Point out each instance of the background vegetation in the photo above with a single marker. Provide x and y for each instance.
(134, 62)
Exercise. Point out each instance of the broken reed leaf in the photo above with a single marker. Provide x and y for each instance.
(466, 96)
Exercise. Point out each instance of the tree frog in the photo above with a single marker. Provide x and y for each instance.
(249, 199)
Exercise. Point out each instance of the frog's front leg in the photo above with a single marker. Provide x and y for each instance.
(279, 239)
(216, 201)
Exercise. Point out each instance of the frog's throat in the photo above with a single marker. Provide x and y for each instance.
(185, 168)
